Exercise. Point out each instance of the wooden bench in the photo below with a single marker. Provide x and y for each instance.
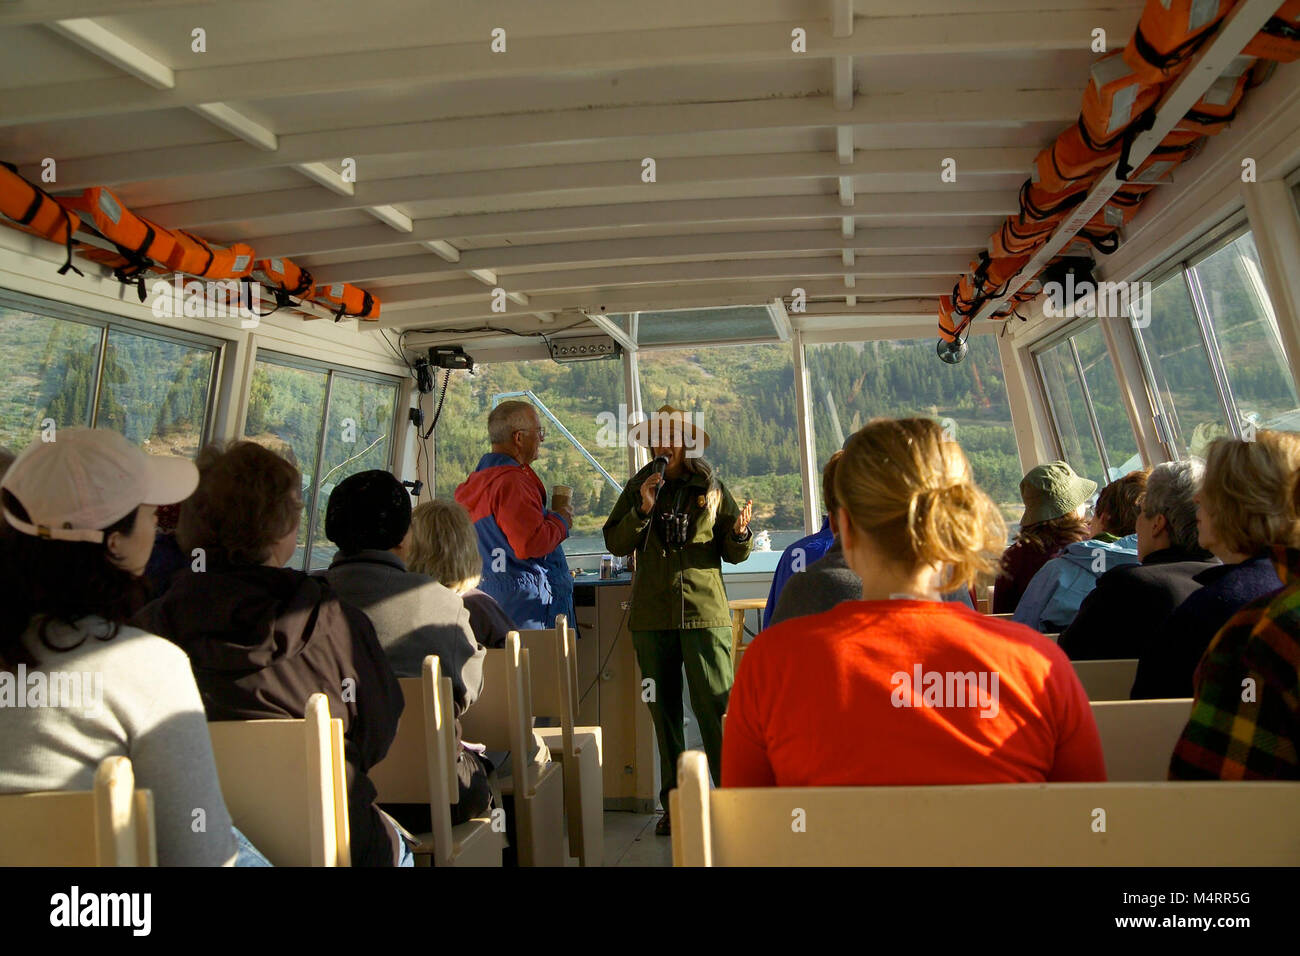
(1138, 736)
(1107, 680)
(420, 767)
(285, 784)
(553, 669)
(1065, 824)
(109, 825)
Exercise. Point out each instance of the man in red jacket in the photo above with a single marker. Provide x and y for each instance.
(519, 538)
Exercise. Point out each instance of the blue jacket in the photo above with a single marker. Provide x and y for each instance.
(1056, 591)
(803, 552)
(519, 539)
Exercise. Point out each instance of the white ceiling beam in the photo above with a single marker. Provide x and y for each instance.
(242, 125)
(881, 168)
(844, 144)
(868, 206)
(612, 329)
(842, 81)
(328, 177)
(841, 18)
(23, 12)
(791, 269)
(658, 249)
(846, 190)
(445, 249)
(114, 49)
(914, 35)
(393, 217)
(638, 128)
(422, 314)
(780, 319)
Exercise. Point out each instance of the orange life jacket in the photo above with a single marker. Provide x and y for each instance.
(1279, 40)
(284, 276)
(351, 301)
(1217, 108)
(1176, 148)
(1170, 32)
(195, 256)
(1071, 162)
(35, 211)
(1116, 95)
(142, 245)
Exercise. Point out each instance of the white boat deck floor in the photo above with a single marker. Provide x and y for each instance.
(630, 841)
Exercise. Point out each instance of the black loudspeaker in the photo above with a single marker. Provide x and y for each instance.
(1071, 272)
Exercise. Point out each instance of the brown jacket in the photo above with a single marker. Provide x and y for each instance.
(261, 641)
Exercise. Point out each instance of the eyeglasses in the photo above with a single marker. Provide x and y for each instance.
(541, 432)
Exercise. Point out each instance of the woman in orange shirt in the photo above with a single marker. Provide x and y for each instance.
(901, 687)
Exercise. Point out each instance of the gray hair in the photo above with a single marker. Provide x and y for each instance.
(508, 418)
(1171, 488)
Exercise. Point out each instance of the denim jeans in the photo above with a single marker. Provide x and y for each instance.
(248, 855)
(407, 857)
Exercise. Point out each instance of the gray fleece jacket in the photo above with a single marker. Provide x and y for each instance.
(414, 616)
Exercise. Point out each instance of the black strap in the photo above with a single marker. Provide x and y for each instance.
(1277, 27)
(67, 262)
(206, 248)
(1209, 119)
(1145, 122)
(1164, 62)
(1063, 205)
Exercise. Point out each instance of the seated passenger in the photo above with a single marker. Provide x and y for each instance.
(900, 687)
(369, 518)
(80, 514)
(1055, 499)
(445, 547)
(829, 580)
(1130, 602)
(167, 558)
(1245, 508)
(1235, 735)
(1056, 591)
(262, 638)
(799, 557)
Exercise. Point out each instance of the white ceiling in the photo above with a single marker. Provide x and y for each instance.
(775, 169)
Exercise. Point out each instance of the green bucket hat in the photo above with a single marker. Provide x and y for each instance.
(1052, 490)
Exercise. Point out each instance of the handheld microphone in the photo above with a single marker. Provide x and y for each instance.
(658, 467)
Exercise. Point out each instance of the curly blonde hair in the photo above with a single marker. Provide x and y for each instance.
(444, 545)
(1250, 489)
(911, 490)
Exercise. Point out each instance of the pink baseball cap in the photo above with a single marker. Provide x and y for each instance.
(88, 479)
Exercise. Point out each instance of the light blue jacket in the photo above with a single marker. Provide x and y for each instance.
(1054, 594)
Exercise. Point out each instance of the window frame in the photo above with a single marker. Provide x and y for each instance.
(1046, 344)
(331, 369)
(106, 322)
(1182, 263)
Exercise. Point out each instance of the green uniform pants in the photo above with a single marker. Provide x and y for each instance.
(706, 652)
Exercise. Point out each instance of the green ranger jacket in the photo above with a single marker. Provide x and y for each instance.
(677, 588)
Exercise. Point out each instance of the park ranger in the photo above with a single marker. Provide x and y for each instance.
(682, 523)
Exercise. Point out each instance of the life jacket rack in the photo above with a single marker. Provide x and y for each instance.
(133, 248)
(1125, 92)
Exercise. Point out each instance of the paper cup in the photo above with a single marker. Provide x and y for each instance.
(561, 495)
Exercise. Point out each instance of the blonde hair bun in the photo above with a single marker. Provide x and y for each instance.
(911, 490)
